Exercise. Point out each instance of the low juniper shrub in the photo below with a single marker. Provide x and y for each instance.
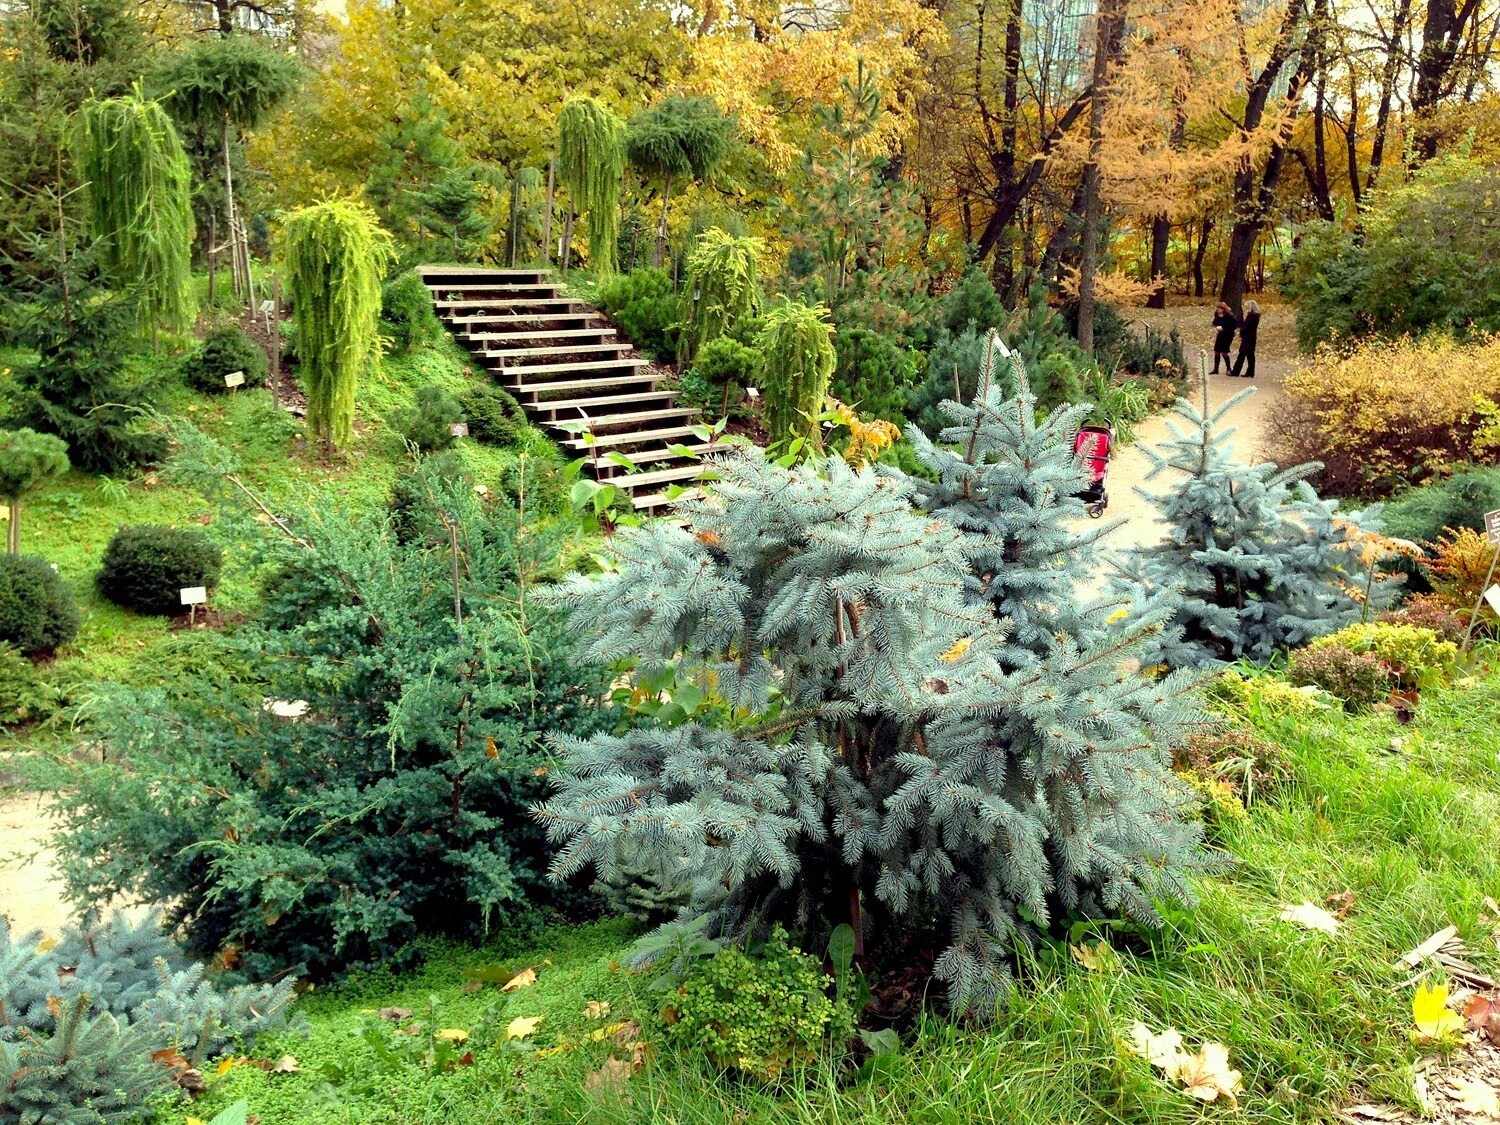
(428, 422)
(224, 350)
(25, 695)
(37, 610)
(494, 417)
(147, 566)
(407, 317)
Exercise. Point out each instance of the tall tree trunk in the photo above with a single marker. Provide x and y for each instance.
(1442, 36)
(1161, 234)
(1111, 20)
(1199, 251)
(659, 255)
(1394, 49)
(241, 283)
(547, 212)
(13, 530)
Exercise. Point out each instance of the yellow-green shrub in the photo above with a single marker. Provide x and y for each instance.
(1263, 697)
(1417, 656)
(1387, 413)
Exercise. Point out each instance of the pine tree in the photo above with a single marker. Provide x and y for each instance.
(1260, 563)
(451, 207)
(880, 750)
(26, 459)
(335, 255)
(680, 137)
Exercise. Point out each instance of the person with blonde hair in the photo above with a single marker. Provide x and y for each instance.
(1249, 328)
(1224, 325)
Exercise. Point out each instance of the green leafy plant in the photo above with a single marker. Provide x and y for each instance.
(1415, 656)
(724, 287)
(37, 610)
(407, 316)
(428, 422)
(224, 349)
(646, 308)
(760, 1013)
(26, 459)
(720, 374)
(25, 695)
(146, 566)
(494, 416)
(872, 372)
(1430, 611)
(797, 362)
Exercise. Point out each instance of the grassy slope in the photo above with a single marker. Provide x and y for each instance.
(1313, 1021)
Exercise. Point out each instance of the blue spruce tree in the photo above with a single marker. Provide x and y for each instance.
(1259, 562)
(877, 749)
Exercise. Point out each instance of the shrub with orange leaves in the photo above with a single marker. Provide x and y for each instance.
(1388, 413)
(867, 440)
(1460, 562)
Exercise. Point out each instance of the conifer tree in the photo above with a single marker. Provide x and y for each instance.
(140, 204)
(878, 750)
(797, 363)
(680, 137)
(724, 281)
(1260, 563)
(590, 162)
(26, 459)
(335, 255)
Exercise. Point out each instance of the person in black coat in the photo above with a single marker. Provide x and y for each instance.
(1249, 327)
(1224, 325)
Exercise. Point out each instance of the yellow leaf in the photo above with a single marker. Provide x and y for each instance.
(1160, 1050)
(522, 1026)
(1313, 917)
(196, 1121)
(1477, 1097)
(596, 1009)
(1095, 957)
(1207, 1075)
(452, 1034)
(960, 647)
(524, 979)
(1118, 615)
(1429, 1011)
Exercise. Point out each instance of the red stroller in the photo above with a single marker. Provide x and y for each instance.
(1093, 444)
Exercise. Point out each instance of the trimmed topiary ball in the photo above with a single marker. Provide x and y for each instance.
(223, 350)
(37, 611)
(146, 566)
(494, 417)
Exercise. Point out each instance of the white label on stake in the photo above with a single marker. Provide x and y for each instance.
(1492, 525)
(459, 429)
(267, 307)
(752, 392)
(235, 379)
(193, 595)
(1492, 595)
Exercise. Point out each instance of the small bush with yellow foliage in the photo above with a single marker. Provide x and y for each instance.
(1416, 657)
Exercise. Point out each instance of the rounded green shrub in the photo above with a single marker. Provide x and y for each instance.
(225, 349)
(407, 317)
(646, 308)
(759, 1014)
(494, 417)
(1358, 678)
(37, 611)
(411, 503)
(722, 363)
(428, 422)
(1415, 655)
(146, 566)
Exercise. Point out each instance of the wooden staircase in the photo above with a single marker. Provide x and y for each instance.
(566, 367)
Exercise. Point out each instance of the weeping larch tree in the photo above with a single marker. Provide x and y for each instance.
(724, 278)
(681, 137)
(225, 86)
(140, 204)
(590, 162)
(334, 254)
(799, 359)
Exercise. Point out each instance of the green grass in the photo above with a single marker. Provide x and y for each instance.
(1313, 1021)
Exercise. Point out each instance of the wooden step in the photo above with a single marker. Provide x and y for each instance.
(539, 334)
(560, 349)
(603, 441)
(496, 286)
(530, 369)
(660, 499)
(662, 453)
(437, 276)
(511, 304)
(600, 401)
(664, 476)
(579, 384)
(520, 318)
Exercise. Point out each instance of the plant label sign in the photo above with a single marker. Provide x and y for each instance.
(1492, 595)
(1492, 525)
(193, 595)
(458, 429)
(234, 379)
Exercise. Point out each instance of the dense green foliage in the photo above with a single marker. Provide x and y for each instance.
(872, 373)
(335, 255)
(1260, 562)
(407, 317)
(90, 1025)
(1358, 679)
(26, 459)
(952, 375)
(146, 566)
(365, 775)
(797, 361)
(681, 137)
(493, 414)
(37, 611)
(646, 307)
(222, 350)
(428, 422)
(140, 209)
(723, 282)
(590, 162)
(236, 80)
(724, 368)
(25, 694)
(1422, 514)
(973, 303)
(868, 730)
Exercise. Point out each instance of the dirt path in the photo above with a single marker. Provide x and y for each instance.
(30, 891)
(1274, 361)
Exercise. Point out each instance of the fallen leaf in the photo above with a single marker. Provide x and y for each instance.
(466, 1059)
(1096, 957)
(1207, 1075)
(957, 650)
(451, 1034)
(1341, 903)
(285, 1065)
(596, 1009)
(524, 979)
(522, 1026)
(395, 1015)
(1429, 1011)
(490, 749)
(54, 1007)
(1477, 1096)
(170, 1058)
(611, 1077)
(1483, 1014)
(1313, 917)
(1160, 1050)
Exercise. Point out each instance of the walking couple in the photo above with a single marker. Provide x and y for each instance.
(1226, 322)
